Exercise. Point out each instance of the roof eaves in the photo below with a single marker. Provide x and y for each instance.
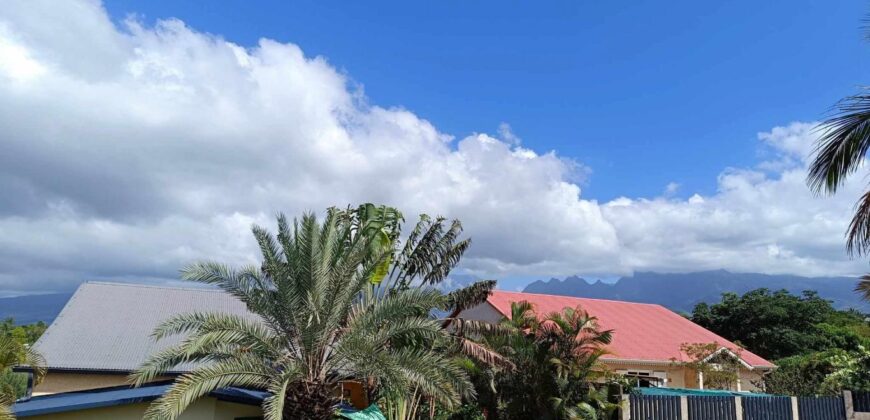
(730, 353)
(120, 395)
(99, 371)
(78, 400)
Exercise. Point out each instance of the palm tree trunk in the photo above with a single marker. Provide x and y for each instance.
(310, 400)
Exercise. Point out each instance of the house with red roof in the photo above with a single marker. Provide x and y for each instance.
(648, 339)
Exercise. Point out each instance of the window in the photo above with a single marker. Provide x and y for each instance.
(646, 378)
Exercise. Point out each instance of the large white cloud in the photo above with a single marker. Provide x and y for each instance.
(130, 151)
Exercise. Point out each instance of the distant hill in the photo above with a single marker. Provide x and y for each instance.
(33, 308)
(45, 308)
(680, 292)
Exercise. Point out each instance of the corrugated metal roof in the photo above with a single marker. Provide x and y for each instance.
(642, 331)
(108, 326)
(107, 397)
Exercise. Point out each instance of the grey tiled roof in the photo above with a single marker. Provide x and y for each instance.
(107, 326)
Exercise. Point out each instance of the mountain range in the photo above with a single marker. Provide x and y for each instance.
(682, 291)
(33, 308)
(679, 292)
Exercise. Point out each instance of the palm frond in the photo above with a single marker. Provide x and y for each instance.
(241, 372)
(273, 406)
(858, 234)
(429, 253)
(470, 296)
(36, 362)
(863, 287)
(482, 353)
(434, 375)
(6, 402)
(845, 139)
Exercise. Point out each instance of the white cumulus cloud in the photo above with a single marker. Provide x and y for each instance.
(130, 150)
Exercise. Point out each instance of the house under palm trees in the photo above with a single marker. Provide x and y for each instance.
(648, 339)
(103, 334)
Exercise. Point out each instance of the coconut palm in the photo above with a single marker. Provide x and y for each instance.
(14, 353)
(327, 311)
(839, 152)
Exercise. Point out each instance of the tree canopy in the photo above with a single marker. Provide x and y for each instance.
(818, 349)
(779, 324)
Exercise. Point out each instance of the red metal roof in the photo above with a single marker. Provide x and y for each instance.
(642, 331)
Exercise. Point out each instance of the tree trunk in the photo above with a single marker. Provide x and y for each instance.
(310, 400)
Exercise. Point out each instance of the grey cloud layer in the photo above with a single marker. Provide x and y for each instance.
(128, 152)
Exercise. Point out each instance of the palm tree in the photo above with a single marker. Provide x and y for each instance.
(329, 310)
(839, 152)
(424, 260)
(557, 363)
(14, 353)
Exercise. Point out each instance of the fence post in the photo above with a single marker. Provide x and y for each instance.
(847, 401)
(625, 407)
(738, 408)
(684, 407)
(794, 409)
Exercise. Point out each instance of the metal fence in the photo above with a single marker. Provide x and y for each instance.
(861, 401)
(821, 408)
(711, 408)
(767, 408)
(654, 407)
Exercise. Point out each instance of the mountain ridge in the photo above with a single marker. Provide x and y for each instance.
(682, 291)
(33, 308)
(676, 291)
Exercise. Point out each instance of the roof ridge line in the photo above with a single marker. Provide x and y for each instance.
(152, 286)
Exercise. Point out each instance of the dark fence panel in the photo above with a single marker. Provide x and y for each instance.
(861, 401)
(821, 408)
(766, 408)
(711, 408)
(654, 407)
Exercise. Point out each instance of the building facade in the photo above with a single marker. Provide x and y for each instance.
(648, 339)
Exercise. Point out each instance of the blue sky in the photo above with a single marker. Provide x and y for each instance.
(644, 93)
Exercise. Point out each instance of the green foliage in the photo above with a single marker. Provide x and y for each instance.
(15, 342)
(24, 334)
(822, 373)
(556, 366)
(799, 375)
(720, 367)
(328, 311)
(778, 324)
(851, 370)
(818, 349)
(466, 411)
